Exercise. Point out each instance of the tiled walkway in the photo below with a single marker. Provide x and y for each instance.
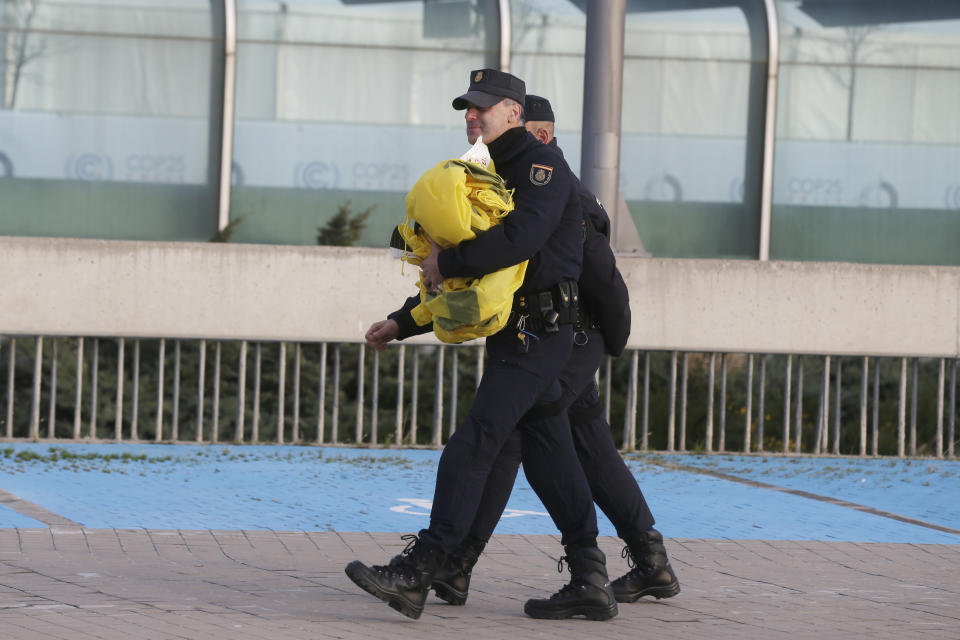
(75, 584)
(179, 541)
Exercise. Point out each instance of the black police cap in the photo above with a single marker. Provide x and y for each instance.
(537, 109)
(488, 87)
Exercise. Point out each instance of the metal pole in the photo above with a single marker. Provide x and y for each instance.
(876, 408)
(941, 374)
(78, 392)
(322, 394)
(257, 378)
(902, 409)
(603, 102)
(201, 379)
(798, 416)
(504, 6)
(281, 391)
(135, 392)
(11, 365)
(711, 385)
(823, 410)
(723, 403)
(158, 428)
(749, 416)
(241, 393)
(358, 436)
(52, 414)
(672, 416)
(769, 127)
(118, 424)
(454, 383)
(94, 375)
(215, 418)
(786, 403)
(229, 102)
(37, 378)
(297, 358)
(630, 421)
(645, 424)
(761, 416)
(683, 402)
(836, 408)
(375, 399)
(414, 395)
(398, 428)
(438, 399)
(608, 387)
(175, 418)
(913, 407)
(335, 410)
(863, 405)
(951, 421)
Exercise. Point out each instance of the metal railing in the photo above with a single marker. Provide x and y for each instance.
(125, 390)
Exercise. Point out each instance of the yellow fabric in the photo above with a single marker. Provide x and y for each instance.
(453, 202)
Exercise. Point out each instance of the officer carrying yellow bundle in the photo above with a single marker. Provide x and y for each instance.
(452, 202)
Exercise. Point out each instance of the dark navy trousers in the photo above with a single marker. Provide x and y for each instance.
(613, 486)
(511, 385)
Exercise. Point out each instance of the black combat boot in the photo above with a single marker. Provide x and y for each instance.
(452, 580)
(588, 594)
(404, 583)
(651, 575)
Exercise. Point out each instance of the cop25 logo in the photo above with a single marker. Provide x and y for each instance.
(952, 197)
(879, 195)
(88, 166)
(6, 166)
(421, 507)
(663, 186)
(316, 175)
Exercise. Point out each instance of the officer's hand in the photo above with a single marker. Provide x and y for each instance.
(432, 279)
(380, 333)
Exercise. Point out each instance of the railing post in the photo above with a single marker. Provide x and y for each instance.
(749, 407)
(297, 358)
(241, 393)
(438, 400)
(37, 378)
(786, 403)
(711, 387)
(398, 427)
(52, 414)
(322, 395)
(118, 423)
(201, 379)
(683, 401)
(672, 416)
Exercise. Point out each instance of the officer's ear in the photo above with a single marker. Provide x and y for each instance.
(542, 135)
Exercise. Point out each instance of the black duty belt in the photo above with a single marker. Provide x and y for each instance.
(541, 312)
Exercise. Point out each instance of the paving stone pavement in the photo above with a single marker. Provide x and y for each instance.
(76, 583)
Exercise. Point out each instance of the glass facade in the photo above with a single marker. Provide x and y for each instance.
(105, 125)
(867, 164)
(112, 112)
(688, 153)
(343, 105)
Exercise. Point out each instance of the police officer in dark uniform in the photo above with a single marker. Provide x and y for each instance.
(521, 368)
(604, 326)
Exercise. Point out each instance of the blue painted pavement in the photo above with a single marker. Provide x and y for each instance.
(162, 486)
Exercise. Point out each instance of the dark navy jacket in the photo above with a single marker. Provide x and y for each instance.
(544, 228)
(602, 289)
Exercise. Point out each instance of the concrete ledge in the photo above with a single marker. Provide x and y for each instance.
(56, 286)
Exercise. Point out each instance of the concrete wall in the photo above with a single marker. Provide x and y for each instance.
(262, 292)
